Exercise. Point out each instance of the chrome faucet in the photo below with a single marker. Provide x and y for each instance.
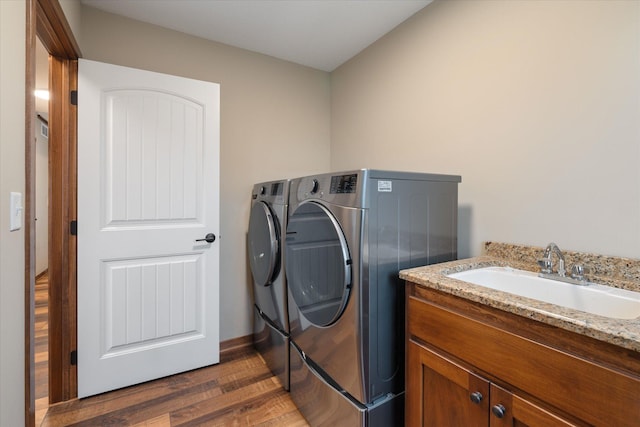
(546, 267)
(547, 263)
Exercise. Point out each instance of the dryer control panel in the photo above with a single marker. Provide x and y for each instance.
(344, 188)
(344, 184)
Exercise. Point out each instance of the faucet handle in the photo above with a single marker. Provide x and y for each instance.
(561, 270)
(545, 265)
(578, 271)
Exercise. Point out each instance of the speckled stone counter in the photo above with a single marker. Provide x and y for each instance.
(618, 272)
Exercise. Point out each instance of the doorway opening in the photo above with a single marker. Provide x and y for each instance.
(41, 328)
(46, 24)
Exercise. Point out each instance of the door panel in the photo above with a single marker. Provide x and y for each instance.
(148, 189)
(151, 301)
(153, 158)
(319, 266)
(264, 245)
(443, 393)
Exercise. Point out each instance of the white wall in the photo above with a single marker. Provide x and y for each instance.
(73, 12)
(275, 123)
(535, 103)
(12, 161)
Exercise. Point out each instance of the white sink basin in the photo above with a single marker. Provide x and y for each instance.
(596, 299)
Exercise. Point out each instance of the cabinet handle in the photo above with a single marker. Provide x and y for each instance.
(499, 410)
(476, 397)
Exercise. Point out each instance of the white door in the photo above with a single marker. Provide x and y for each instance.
(148, 190)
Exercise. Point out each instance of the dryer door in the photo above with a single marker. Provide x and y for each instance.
(264, 244)
(318, 264)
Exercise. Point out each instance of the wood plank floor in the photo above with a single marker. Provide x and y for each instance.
(239, 391)
(41, 343)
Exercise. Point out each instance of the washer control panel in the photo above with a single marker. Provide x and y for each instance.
(271, 192)
(276, 189)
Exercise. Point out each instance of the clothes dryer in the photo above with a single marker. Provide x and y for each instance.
(265, 240)
(348, 235)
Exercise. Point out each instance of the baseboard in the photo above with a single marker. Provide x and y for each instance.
(234, 344)
(46, 271)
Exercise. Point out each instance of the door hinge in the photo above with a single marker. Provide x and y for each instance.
(73, 228)
(74, 358)
(74, 97)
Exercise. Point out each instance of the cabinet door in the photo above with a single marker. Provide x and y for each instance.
(443, 393)
(508, 409)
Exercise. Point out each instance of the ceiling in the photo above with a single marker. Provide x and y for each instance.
(321, 34)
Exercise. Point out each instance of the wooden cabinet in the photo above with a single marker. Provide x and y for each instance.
(509, 409)
(441, 392)
(471, 365)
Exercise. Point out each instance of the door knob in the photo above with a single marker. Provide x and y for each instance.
(209, 238)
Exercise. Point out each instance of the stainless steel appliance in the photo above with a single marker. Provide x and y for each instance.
(265, 241)
(348, 235)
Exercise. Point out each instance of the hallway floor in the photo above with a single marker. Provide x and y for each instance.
(41, 350)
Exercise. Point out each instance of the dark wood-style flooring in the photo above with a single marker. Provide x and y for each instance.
(239, 391)
(41, 349)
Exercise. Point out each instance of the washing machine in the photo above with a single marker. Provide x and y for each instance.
(347, 237)
(265, 246)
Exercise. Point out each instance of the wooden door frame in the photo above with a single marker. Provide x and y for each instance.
(45, 19)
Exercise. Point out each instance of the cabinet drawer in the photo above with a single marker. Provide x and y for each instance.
(591, 392)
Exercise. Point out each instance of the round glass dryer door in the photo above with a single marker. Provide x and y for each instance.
(318, 264)
(264, 244)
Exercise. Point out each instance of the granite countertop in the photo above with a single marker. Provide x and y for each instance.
(618, 272)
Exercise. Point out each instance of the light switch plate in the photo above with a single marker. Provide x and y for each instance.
(15, 211)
